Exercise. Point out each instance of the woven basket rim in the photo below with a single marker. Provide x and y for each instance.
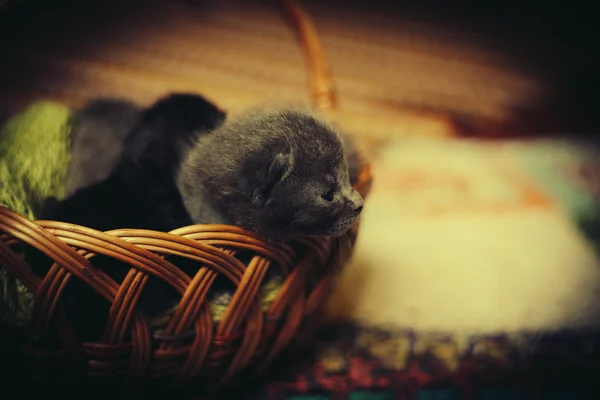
(215, 246)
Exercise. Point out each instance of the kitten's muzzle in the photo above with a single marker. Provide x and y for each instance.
(342, 225)
(355, 202)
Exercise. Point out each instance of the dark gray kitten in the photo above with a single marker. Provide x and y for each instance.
(279, 173)
(98, 133)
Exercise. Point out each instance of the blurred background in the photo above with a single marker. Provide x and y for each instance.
(471, 253)
(480, 68)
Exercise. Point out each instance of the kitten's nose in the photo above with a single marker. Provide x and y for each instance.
(355, 201)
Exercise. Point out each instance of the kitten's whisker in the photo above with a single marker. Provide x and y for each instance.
(348, 243)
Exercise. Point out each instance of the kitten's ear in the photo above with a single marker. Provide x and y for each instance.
(278, 169)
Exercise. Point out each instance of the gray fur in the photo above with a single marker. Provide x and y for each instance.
(355, 161)
(279, 173)
(98, 133)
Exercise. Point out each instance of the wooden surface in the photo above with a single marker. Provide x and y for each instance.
(394, 76)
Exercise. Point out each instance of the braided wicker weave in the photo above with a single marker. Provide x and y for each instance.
(246, 334)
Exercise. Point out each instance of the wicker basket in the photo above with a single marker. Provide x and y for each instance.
(193, 347)
(246, 335)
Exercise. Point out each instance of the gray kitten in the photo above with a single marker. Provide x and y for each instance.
(279, 173)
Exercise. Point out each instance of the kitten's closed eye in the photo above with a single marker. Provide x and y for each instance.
(328, 196)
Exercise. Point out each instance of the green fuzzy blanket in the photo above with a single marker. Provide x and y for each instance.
(34, 157)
